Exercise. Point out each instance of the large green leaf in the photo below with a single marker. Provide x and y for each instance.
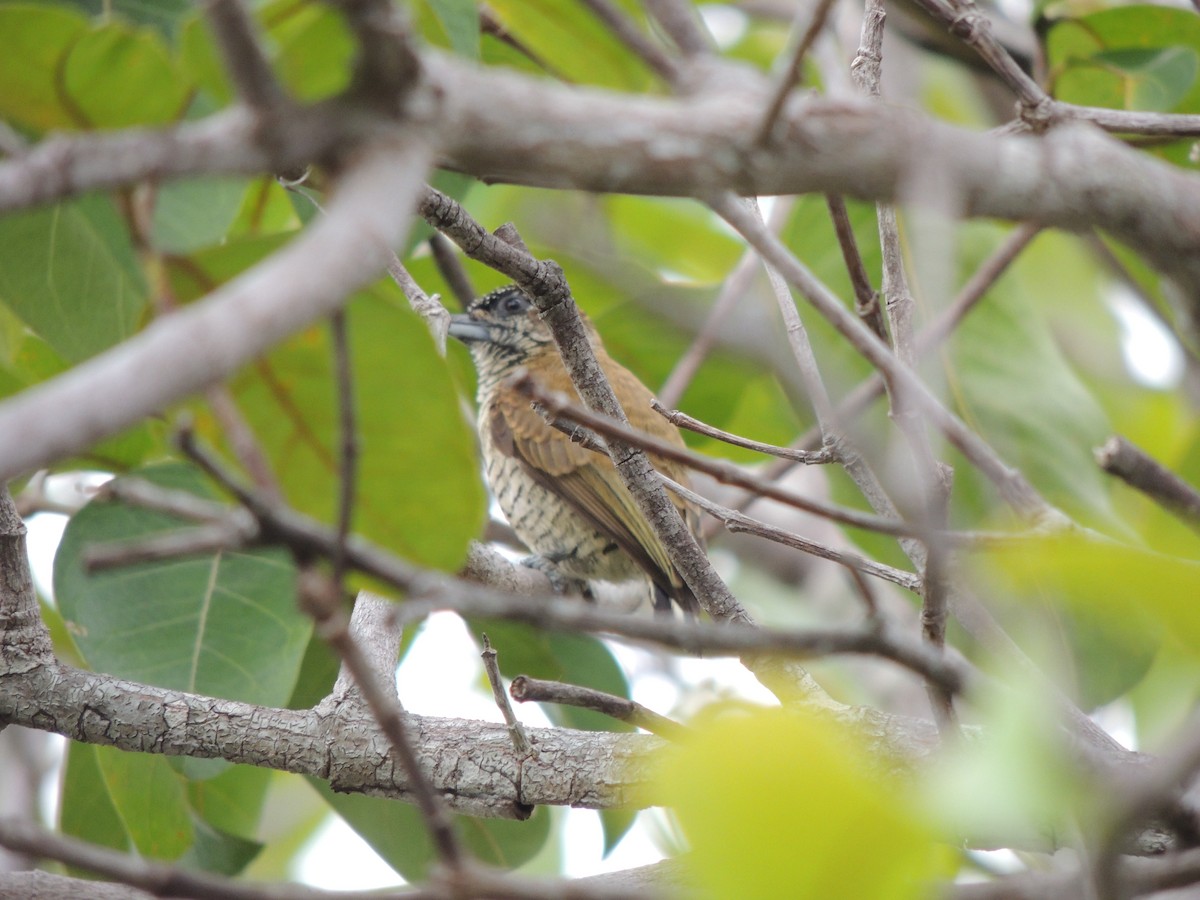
(166, 16)
(678, 236)
(314, 48)
(196, 213)
(200, 59)
(69, 272)
(115, 77)
(86, 810)
(1140, 595)
(221, 624)
(37, 40)
(149, 799)
(419, 489)
(451, 23)
(569, 42)
(1137, 57)
(28, 360)
(126, 801)
(419, 493)
(397, 832)
(232, 801)
(1017, 389)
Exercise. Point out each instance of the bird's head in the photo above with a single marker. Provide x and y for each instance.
(503, 330)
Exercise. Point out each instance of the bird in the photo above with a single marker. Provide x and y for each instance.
(566, 502)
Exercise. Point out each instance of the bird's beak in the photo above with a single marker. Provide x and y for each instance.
(468, 330)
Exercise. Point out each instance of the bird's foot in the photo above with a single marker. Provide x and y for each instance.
(562, 584)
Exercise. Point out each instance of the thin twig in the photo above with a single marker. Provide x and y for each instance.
(242, 440)
(1012, 486)
(1121, 121)
(866, 298)
(321, 598)
(203, 540)
(242, 53)
(348, 432)
(615, 19)
(683, 420)
(968, 23)
(689, 635)
(516, 730)
(932, 478)
(734, 291)
(1143, 473)
(154, 877)
(789, 75)
(833, 435)
(683, 25)
(525, 689)
(736, 521)
(557, 405)
(452, 270)
(427, 306)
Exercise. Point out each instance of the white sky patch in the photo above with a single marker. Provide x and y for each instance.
(1151, 354)
(726, 23)
(337, 859)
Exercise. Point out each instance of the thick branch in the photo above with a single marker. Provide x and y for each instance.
(471, 764)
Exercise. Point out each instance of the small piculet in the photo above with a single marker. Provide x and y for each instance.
(566, 502)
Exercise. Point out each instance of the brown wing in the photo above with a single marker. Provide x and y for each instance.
(586, 480)
(643, 418)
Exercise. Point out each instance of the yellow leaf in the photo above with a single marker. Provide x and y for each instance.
(780, 804)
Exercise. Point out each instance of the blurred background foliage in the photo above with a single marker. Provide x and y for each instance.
(1055, 359)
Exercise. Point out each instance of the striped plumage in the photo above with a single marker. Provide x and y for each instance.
(566, 502)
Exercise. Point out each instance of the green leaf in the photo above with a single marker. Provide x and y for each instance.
(316, 50)
(223, 624)
(1014, 782)
(70, 273)
(86, 810)
(165, 16)
(37, 40)
(150, 800)
(781, 804)
(616, 824)
(196, 213)
(568, 42)
(1130, 57)
(1016, 388)
(419, 494)
(679, 236)
(115, 77)
(419, 488)
(201, 60)
(318, 672)
(455, 23)
(397, 832)
(30, 360)
(1141, 595)
(216, 851)
(232, 802)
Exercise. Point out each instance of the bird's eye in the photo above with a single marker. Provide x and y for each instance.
(513, 304)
